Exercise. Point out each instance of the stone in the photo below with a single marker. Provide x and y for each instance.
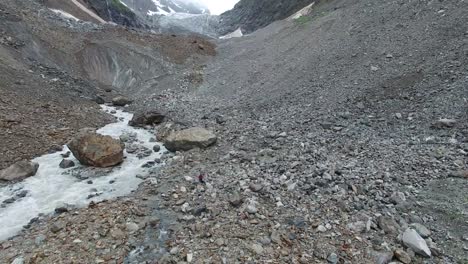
(121, 101)
(99, 100)
(383, 257)
(251, 209)
(19, 171)
(56, 227)
(414, 241)
(156, 148)
(189, 139)
(235, 200)
(18, 260)
(132, 227)
(402, 256)
(147, 118)
(257, 248)
(255, 187)
(65, 164)
(333, 258)
(97, 150)
(388, 225)
(422, 230)
(321, 228)
(445, 123)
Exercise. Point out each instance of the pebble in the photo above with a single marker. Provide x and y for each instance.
(422, 230)
(333, 258)
(257, 248)
(321, 228)
(255, 187)
(251, 209)
(131, 227)
(402, 256)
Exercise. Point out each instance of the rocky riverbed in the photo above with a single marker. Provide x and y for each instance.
(339, 139)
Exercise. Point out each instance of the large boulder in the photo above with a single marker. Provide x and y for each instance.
(19, 171)
(121, 101)
(142, 119)
(97, 150)
(189, 138)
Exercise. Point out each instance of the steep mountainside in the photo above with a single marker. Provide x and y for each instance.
(115, 11)
(164, 7)
(251, 15)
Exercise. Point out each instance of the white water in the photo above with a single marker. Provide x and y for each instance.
(51, 188)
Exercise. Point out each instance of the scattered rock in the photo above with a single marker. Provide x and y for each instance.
(65, 164)
(97, 150)
(19, 171)
(18, 260)
(235, 200)
(389, 225)
(121, 101)
(257, 249)
(255, 187)
(422, 230)
(147, 118)
(413, 240)
(383, 257)
(156, 148)
(321, 228)
(333, 258)
(99, 100)
(190, 138)
(402, 256)
(445, 123)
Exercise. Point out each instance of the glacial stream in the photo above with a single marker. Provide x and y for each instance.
(53, 187)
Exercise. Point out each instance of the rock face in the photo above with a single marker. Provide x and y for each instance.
(121, 101)
(190, 138)
(250, 15)
(97, 150)
(19, 171)
(115, 11)
(146, 118)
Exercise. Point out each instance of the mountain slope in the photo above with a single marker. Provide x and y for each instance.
(250, 15)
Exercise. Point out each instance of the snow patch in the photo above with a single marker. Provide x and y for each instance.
(64, 14)
(235, 34)
(303, 12)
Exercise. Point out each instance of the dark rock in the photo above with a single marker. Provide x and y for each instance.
(22, 194)
(61, 210)
(99, 100)
(65, 164)
(156, 148)
(55, 148)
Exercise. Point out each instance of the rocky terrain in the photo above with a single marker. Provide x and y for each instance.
(339, 137)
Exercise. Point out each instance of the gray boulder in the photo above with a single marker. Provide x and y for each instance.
(413, 240)
(121, 101)
(189, 138)
(65, 164)
(146, 118)
(19, 171)
(97, 150)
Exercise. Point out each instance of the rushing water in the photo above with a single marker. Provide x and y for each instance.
(54, 187)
